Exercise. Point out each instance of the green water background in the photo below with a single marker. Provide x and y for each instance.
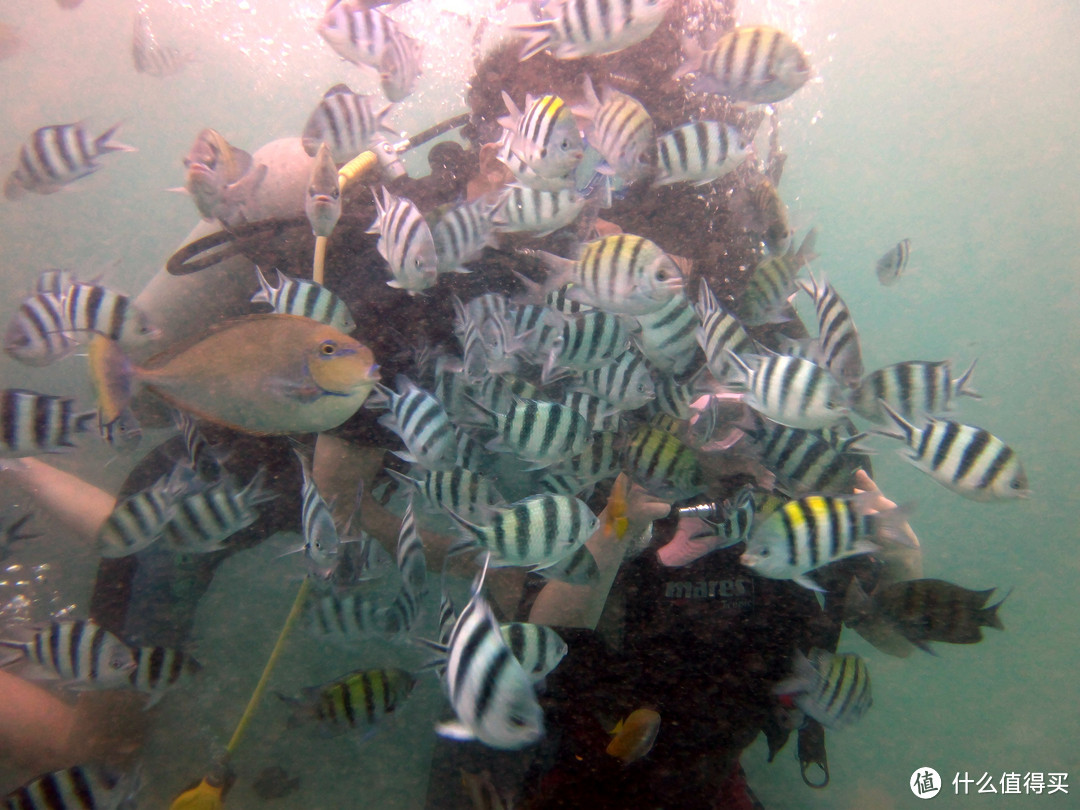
(953, 124)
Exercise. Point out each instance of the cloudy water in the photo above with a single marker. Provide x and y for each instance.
(947, 124)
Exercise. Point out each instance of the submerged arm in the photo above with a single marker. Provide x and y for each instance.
(79, 505)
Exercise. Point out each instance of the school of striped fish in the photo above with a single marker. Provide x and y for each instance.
(611, 364)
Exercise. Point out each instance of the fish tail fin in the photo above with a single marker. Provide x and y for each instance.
(961, 387)
(988, 615)
(538, 36)
(112, 374)
(908, 432)
(265, 295)
(104, 143)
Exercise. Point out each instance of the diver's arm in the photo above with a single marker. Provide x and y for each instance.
(561, 604)
(79, 505)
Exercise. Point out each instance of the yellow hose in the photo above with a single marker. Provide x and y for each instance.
(355, 169)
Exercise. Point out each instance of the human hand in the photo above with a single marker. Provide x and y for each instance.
(693, 539)
(879, 503)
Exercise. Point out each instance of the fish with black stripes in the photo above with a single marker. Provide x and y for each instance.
(730, 520)
(545, 136)
(152, 57)
(837, 346)
(79, 653)
(303, 297)
(80, 787)
(345, 619)
(357, 701)
(621, 130)
(490, 692)
(589, 340)
(913, 389)
(406, 243)
(38, 333)
(458, 490)
(537, 531)
(772, 282)
(699, 153)
(806, 534)
(754, 64)
(321, 539)
(792, 391)
(662, 464)
(573, 30)
(159, 669)
(400, 67)
(832, 688)
(347, 122)
(537, 432)
(622, 274)
(625, 383)
(95, 308)
(537, 648)
(806, 461)
(58, 155)
(358, 32)
(33, 423)
(720, 335)
(462, 233)
(964, 458)
(203, 520)
(138, 521)
(668, 336)
(421, 421)
(202, 457)
(523, 209)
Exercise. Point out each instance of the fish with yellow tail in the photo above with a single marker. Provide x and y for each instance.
(633, 737)
(261, 374)
(615, 520)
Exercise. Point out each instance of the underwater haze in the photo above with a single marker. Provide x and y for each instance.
(952, 124)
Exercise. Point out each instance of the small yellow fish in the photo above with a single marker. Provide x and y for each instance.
(263, 374)
(633, 737)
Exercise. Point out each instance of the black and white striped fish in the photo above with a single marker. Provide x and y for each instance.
(588, 340)
(806, 461)
(399, 69)
(462, 233)
(813, 531)
(599, 414)
(838, 341)
(54, 281)
(158, 669)
(298, 296)
(80, 787)
(545, 136)
(32, 423)
(138, 520)
(38, 333)
(490, 692)
(720, 335)
(621, 131)
(792, 391)
(537, 211)
(321, 539)
(58, 155)
(772, 282)
(123, 434)
(699, 153)
(358, 700)
(203, 520)
(345, 121)
(669, 335)
(203, 459)
(458, 490)
(892, 265)
(420, 420)
(405, 241)
(151, 56)
(738, 519)
(591, 27)
(600, 460)
(756, 64)
(77, 652)
(622, 274)
(913, 389)
(625, 383)
(537, 648)
(411, 563)
(832, 688)
(345, 619)
(358, 32)
(400, 615)
(498, 392)
(967, 459)
(94, 308)
(536, 531)
(541, 433)
(662, 464)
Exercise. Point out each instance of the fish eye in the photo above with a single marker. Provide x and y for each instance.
(566, 144)
(328, 347)
(661, 274)
(1015, 484)
(517, 721)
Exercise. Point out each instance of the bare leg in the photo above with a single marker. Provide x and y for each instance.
(79, 505)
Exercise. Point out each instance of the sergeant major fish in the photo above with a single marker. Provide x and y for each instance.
(346, 122)
(755, 64)
(966, 459)
(792, 391)
(699, 153)
(892, 265)
(838, 341)
(912, 389)
(356, 701)
(537, 648)
(305, 298)
(621, 130)
(591, 27)
(58, 155)
(832, 688)
(78, 652)
(405, 241)
(32, 423)
(80, 786)
(545, 136)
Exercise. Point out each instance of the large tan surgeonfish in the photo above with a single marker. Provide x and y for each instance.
(262, 374)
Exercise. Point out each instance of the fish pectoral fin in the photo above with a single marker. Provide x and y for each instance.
(455, 730)
(305, 391)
